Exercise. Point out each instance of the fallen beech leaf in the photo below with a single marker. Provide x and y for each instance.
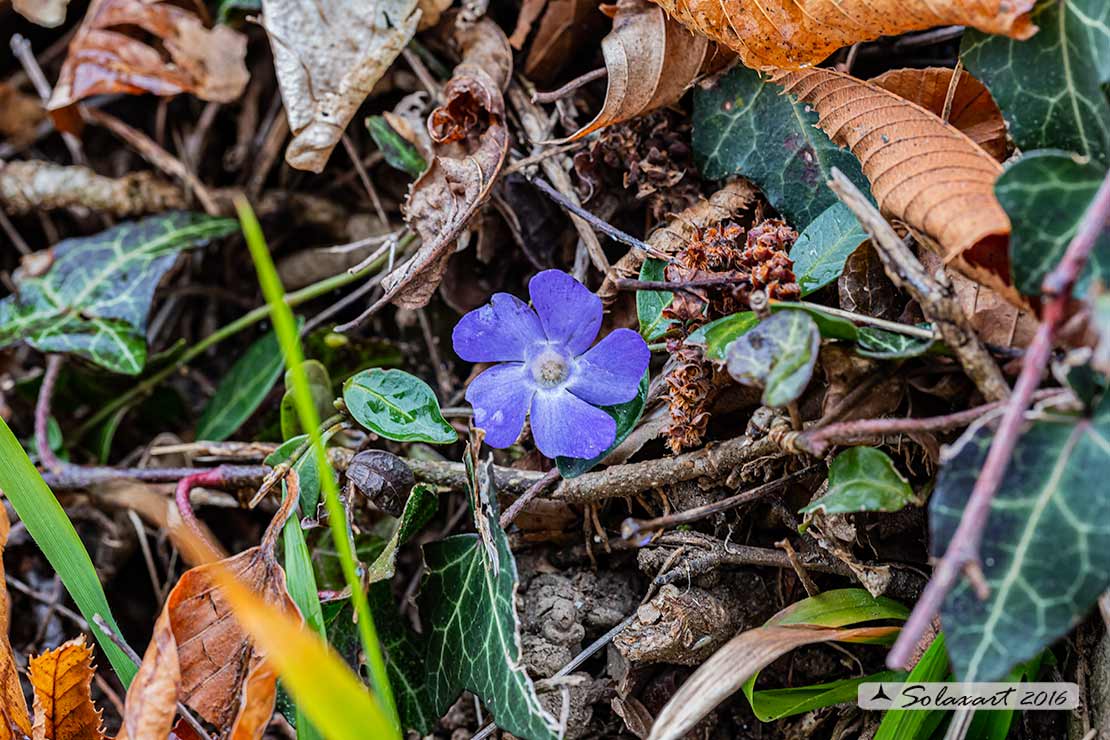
(471, 141)
(327, 64)
(795, 33)
(49, 13)
(973, 109)
(923, 172)
(62, 679)
(200, 655)
(13, 707)
(651, 60)
(563, 26)
(184, 57)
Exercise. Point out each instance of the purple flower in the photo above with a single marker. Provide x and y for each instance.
(548, 367)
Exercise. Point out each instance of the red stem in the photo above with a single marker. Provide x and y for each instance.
(42, 414)
(962, 555)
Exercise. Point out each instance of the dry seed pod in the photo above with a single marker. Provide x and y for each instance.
(383, 478)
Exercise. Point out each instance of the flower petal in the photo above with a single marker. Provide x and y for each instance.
(569, 312)
(500, 397)
(563, 424)
(611, 370)
(500, 331)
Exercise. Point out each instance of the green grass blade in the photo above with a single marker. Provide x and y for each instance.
(52, 531)
(301, 582)
(286, 328)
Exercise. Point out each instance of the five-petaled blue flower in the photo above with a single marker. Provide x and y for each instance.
(548, 367)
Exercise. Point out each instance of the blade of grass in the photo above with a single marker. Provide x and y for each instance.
(52, 531)
(286, 328)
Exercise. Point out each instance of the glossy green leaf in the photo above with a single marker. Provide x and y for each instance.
(822, 249)
(863, 479)
(887, 345)
(743, 125)
(900, 724)
(716, 336)
(1045, 549)
(830, 326)
(1051, 87)
(419, 509)
(398, 406)
(319, 385)
(242, 390)
(650, 303)
(404, 659)
(627, 415)
(396, 150)
(52, 531)
(94, 299)
(1045, 194)
(470, 621)
(779, 354)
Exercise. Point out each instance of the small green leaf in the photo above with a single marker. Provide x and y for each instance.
(863, 479)
(824, 247)
(779, 355)
(627, 415)
(743, 125)
(650, 303)
(716, 336)
(772, 704)
(307, 470)
(419, 509)
(830, 326)
(319, 385)
(242, 390)
(397, 406)
(470, 621)
(887, 345)
(1046, 548)
(95, 298)
(397, 151)
(1045, 194)
(1051, 87)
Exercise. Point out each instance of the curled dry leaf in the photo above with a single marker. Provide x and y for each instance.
(471, 141)
(15, 722)
(973, 109)
(563, 26)
(184, 56)
(62, 679)
(200, 655)
(795, 33)
(328, 57)
(923, 172)
(651, 60)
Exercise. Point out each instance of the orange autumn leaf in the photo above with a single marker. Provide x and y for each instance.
(62, 679)
(973, 110)
(923, 172)
(790, 34)
(15, 722)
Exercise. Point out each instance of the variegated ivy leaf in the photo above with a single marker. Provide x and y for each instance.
(94, 299)
(1046, 547)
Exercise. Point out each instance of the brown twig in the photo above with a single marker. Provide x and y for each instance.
(536, 489)
(558, 94)
(935, 295)
(42, 414)
(962, 554)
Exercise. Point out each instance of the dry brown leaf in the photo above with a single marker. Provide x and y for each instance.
(15, 722)
(923, 172)
(973, 109)
(104, 57)
(529, 11)
(199, 655)
(471, 142)
(62, 679)
(795, 33)
(650, 60)
(328, 57)
(738, 660)
(564, 25)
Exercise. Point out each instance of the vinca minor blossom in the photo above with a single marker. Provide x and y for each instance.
(548, 368)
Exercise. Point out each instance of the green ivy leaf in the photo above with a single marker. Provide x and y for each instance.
(404, 660)
(1045, 194)
(650, 303)
(319, 386)
(94, 300)
(396, 150)
(887, 345)
(743, 125)
(419, 509)
(779, 355)
(863, 479)
(471, 627)
(627, 415)
(242, 390)
(822, 249)
(1046, 548)
(1051, 87)
(397, 406)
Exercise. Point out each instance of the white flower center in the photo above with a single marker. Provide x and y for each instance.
(549, 368)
